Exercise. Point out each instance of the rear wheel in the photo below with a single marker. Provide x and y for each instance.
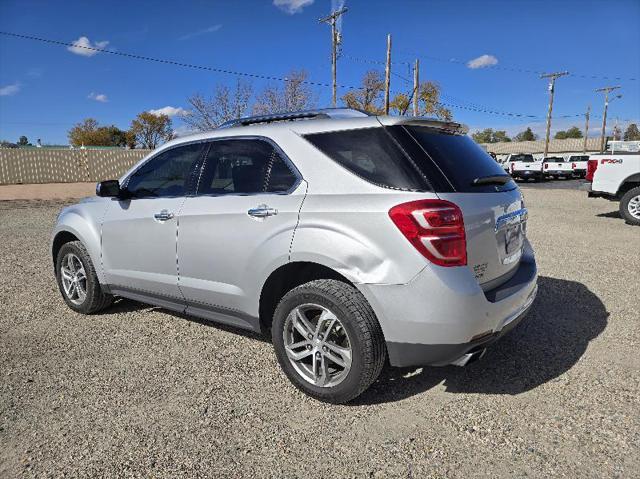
(630, 206)
(77, 280)
(328, 340)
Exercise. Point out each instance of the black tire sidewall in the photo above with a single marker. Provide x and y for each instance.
(624, 206)
(88, 268)
(305, 295)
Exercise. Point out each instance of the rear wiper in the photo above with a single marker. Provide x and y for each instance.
(491, 180)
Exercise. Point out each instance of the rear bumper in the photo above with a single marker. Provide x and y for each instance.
(443, 314)
(597, 194)
(526, 174)
(557, 173)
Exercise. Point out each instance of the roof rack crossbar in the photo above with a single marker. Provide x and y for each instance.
(296, 115)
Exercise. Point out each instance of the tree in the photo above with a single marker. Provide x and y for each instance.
(150, 129)
(294, 95)
(488, 135)
(23, 141)
(632, 133)
(90, 133)
(225, 105)
(526, 135)
(573, 132)
(368, 96)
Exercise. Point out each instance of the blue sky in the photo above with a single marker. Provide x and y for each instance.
(45, 89)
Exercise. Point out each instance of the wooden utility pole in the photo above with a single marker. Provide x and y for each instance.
(606, 90)
(332, 19)
(586, 129)
(416, 86)
(387, 76)
(552, 87)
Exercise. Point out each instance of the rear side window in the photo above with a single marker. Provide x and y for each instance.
(372, 154)
(458, 157)
(244, 166)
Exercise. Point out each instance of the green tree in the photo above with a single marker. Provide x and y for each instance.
(488, 135)
(526, 135)
(573, 132)
(632, 133)
(23, 141)
(369, 95)
(90, 133)
(149, 129)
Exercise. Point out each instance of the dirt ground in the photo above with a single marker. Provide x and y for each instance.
(142, 392)
(49, 191)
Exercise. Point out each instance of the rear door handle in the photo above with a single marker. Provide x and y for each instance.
(262, 211)
(164, 215)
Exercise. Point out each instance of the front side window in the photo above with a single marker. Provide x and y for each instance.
(244, 166)
(165, 175)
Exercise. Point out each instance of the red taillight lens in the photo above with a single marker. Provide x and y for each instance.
(546, 166)
(435, 228)
(592, 166)
(573, 166)
(512, 166)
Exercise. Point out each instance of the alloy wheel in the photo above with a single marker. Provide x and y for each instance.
(74, 279)
(634, 207)
(317, 345)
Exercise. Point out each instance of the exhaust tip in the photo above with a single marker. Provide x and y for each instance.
(469, 358)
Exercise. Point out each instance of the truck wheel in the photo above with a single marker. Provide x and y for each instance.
(77, 280)
(630, 206)
(328, 341)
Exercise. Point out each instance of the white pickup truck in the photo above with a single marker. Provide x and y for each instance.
(615, 175)
(579, 165)
(556, 167)
(525, 167)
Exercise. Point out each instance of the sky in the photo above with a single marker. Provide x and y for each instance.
(485, 55)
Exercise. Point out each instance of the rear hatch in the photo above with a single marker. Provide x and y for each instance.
(421, 156)
(490, 201)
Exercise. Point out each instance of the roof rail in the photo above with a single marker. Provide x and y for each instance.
(296, 115)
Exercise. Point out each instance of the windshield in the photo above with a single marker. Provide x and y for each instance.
(522, 158)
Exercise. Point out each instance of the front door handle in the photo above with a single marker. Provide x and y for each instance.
(262, 211)
(164, 215)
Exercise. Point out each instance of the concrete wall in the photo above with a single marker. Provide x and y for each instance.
(41, 165)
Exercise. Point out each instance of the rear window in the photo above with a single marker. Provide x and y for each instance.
(459, 158)
(528, 158)
(412, 158)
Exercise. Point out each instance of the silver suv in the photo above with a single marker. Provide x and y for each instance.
(351, 238)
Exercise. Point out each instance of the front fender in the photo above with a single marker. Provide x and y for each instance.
(83, 221)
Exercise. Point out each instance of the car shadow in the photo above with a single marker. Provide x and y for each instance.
(124, 305)
(565, 317)
(610, 214)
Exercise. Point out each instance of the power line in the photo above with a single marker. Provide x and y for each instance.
(167, 62)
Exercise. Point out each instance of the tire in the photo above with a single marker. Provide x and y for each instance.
(631, 201)
(94, 299)
(356, 321)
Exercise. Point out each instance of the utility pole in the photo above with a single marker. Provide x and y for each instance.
(606, 90)
(416, 86)
(586, 129)
(387, 76)
(552, 87)
(332, 19)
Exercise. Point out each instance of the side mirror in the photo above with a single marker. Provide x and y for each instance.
(108, 188)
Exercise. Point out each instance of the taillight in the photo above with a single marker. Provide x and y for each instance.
(592, 166)
(573, 166)
(546, 166)
(512, 167)
(435, 228)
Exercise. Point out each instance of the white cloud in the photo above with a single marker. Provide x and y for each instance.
(170, 111)
(292, 6)
(10, 89)
(482, 61)
(101, 97)
(82, 45)
(211, 29)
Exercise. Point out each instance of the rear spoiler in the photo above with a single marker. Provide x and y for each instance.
(448, 126)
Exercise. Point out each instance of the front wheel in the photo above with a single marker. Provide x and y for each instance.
(77, 280)
(328, 341)
(630, 206)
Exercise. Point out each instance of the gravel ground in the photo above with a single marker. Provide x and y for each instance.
(141, 392)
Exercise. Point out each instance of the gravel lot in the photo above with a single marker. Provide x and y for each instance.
(141, 392)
